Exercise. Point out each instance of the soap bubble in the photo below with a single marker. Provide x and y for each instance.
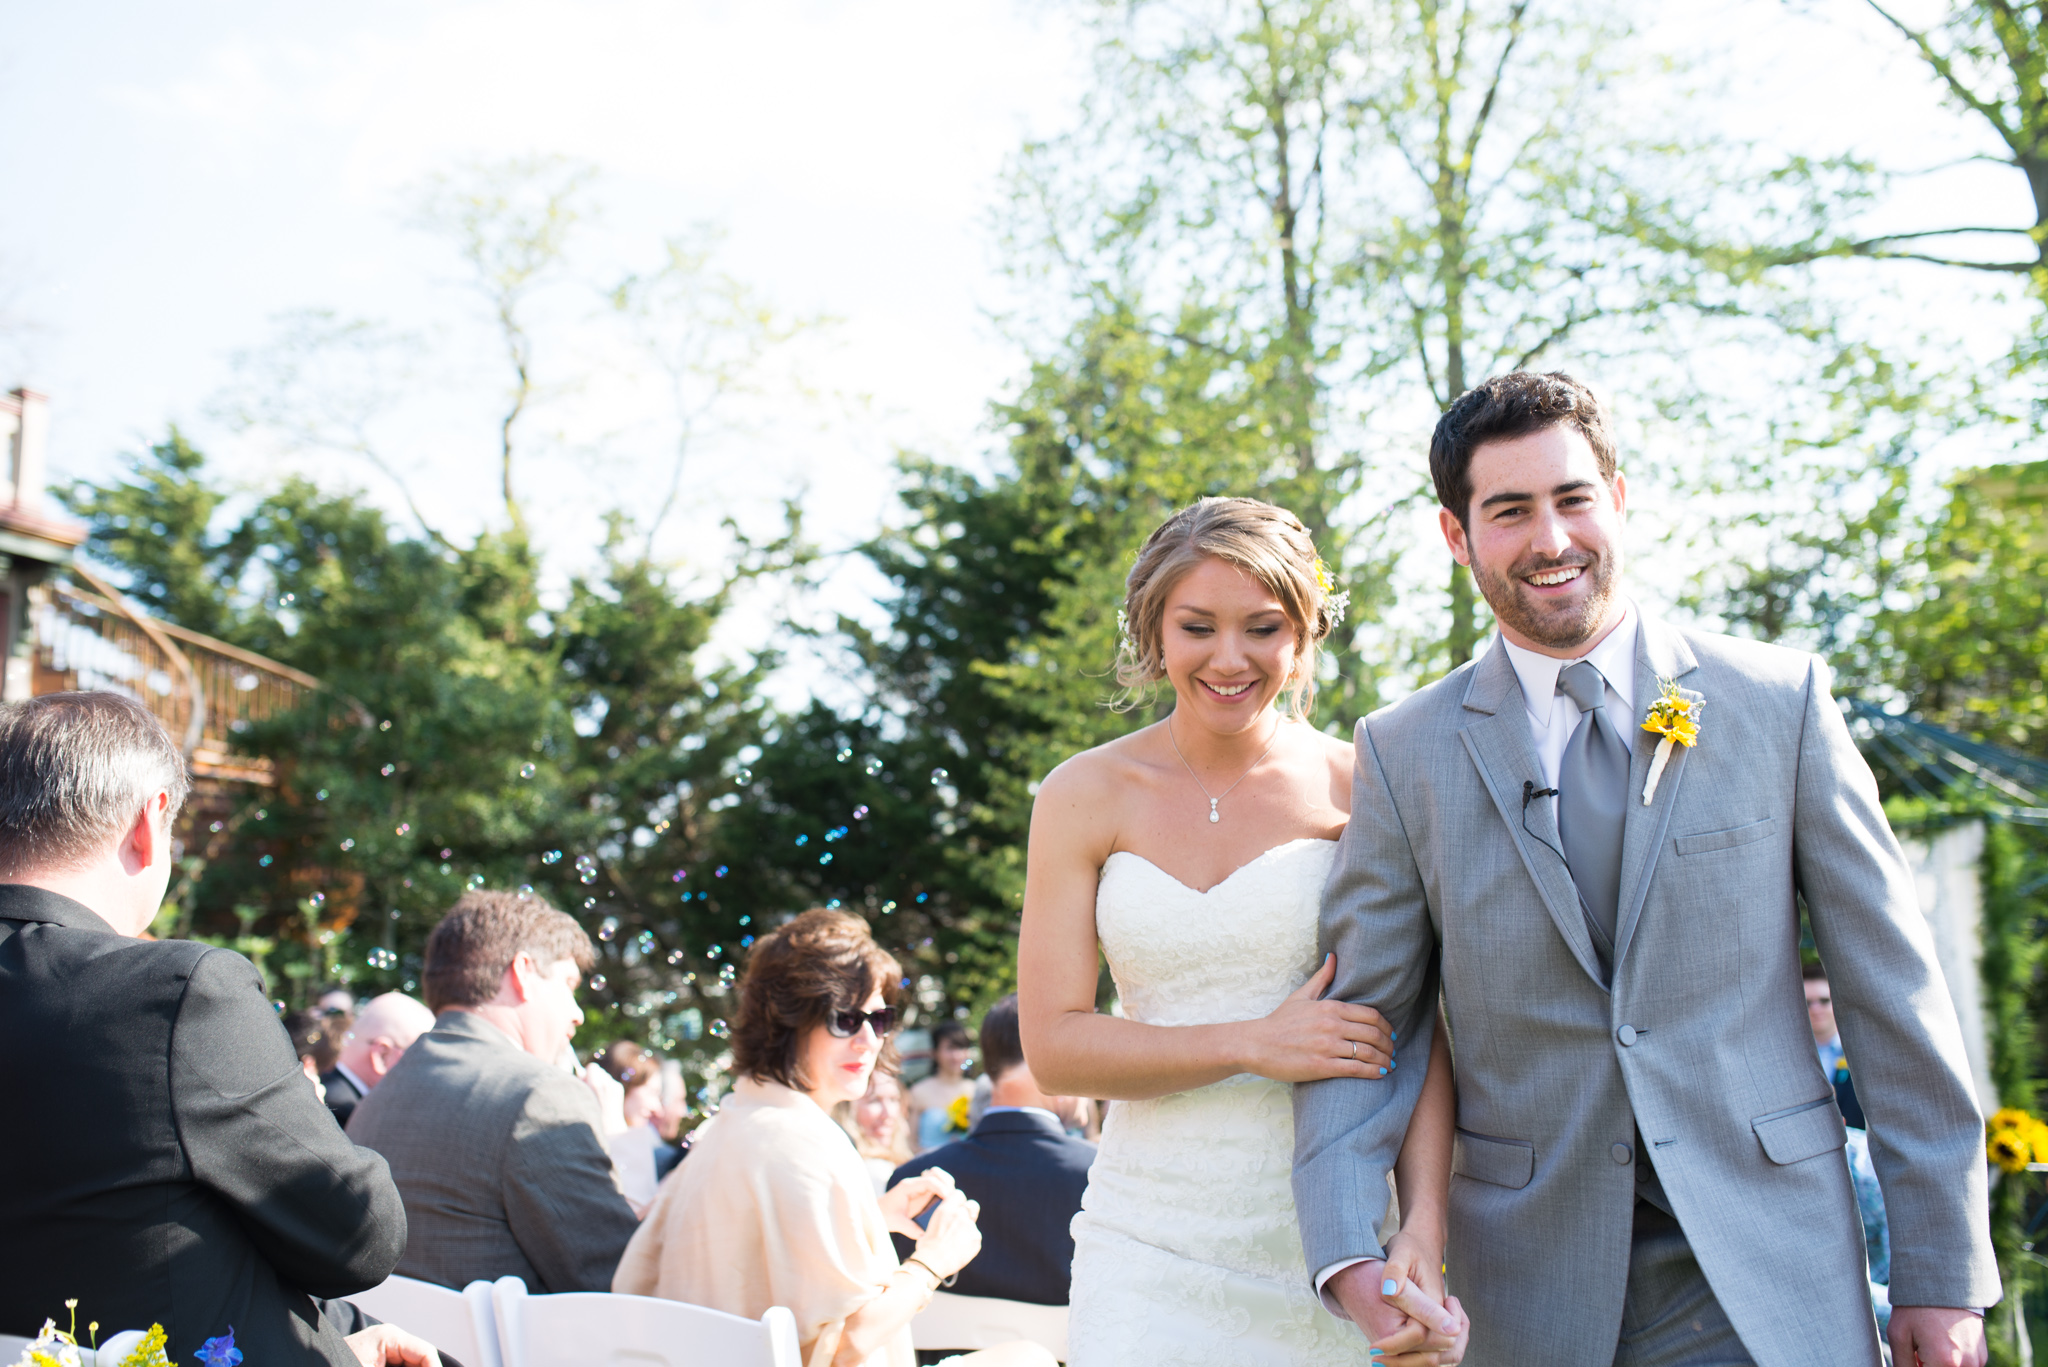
(715, 950)
(825, 858)
(679, 875)
(598, 984)
(318, 899)
(551, 857)
(718, 872)
(888, 908)
(743, 774)
(675, 956)
(475, 881)
(872, 767)
(382, 958)
(803, 840)
(645, 941)
(320, 796)
(383, 726)
(348, 844)
(720, 1029)
(939, 776)
(860, 813)
(526, 889)
(589, 903)
(447, 854)
(527, 770)
(726, 974)
(405, 828)
(843, 755)
(388, 770)
(216, 827)
(746, 942)
(923, 896)
(609, 928)
(265, 862)
(287, 600)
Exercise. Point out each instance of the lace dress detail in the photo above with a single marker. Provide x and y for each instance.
(1186, 1250)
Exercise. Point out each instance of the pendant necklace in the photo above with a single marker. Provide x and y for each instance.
(1240, 778)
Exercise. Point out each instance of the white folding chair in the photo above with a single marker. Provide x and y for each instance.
(461, 1323)
(965, 1323)
(592, 1329)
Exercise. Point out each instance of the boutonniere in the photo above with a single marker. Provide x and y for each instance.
(1675, 720)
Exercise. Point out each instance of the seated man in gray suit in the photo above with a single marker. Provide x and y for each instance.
(492, 1143)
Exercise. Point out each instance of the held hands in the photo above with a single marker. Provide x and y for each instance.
(1306, 1039)
(1409, 1328)
(1929, 1336)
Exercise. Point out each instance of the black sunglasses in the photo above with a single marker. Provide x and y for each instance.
(847, 1024)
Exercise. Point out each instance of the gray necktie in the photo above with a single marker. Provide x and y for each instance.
(1592, 783)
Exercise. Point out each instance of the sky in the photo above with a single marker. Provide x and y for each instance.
(180, 178)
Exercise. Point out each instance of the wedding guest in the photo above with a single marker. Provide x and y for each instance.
(880, 1132)
(167, 1162)
(638, 1151)
(932, 1100)
(309, 1034)
(371, 1046)
(337, 1000)
(773, 1206)
(1023, 1170)
(494, 1145)
(1820, 1015)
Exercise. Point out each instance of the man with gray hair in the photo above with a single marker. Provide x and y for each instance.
(492, 1142)
(166, 1160)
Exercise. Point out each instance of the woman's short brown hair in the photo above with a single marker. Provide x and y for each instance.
(1267, 542)
(798, 975)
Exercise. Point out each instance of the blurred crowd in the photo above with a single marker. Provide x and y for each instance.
(256, 1175)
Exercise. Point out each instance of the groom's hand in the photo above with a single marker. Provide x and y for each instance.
(1408, 1328)
(1931, 1336)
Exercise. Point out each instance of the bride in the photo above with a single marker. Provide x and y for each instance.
(1194, 853)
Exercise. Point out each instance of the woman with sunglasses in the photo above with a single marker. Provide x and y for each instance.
(774, 1206)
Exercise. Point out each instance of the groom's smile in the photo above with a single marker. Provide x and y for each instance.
(1542, 536)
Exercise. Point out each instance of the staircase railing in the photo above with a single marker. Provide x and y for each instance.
(206, 692)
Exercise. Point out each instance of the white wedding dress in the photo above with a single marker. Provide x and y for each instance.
(1186, 1249)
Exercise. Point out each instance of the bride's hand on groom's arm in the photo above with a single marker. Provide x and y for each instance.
(1306, 1039)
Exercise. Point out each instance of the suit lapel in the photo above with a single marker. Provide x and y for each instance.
(1661, 654)
(1498, 741)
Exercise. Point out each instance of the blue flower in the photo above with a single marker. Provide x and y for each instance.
(220, 1352)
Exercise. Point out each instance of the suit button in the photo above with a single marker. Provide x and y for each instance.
(1623, 1153)
(1627, 1034)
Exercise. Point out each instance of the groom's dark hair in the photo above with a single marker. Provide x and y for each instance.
(1501, 409)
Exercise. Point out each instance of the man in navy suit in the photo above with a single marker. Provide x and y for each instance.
(1020, 1165)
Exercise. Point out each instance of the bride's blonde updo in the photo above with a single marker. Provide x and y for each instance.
(1266, 542)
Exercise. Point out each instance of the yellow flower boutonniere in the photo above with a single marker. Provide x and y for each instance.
(956, 1114)
(1675, 720)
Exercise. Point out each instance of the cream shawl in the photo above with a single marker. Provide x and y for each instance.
(773, 1206)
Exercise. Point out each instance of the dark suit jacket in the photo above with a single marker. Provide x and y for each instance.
(497, 1156)
(166, 1160)
(342, 1095)
(1028, 1176)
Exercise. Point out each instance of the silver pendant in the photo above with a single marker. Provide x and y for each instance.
(1212, 810)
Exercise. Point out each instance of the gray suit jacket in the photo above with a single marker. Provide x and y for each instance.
(496, 1155)
(1701, 1044)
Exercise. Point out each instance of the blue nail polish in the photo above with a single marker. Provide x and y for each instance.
(1395, 1064)
(1389, 1287)
(1393, 1034)
(1383, 1072)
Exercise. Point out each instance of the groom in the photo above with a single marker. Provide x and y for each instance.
(1648, 1167)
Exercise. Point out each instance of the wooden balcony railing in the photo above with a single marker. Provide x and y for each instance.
(206, 692)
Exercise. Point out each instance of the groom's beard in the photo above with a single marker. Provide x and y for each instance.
(1562, 625)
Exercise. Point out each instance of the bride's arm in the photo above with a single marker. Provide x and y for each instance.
(1076, 1051)
(1423, 1172)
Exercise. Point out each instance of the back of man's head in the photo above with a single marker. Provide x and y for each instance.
(468, 953)
(76, 770)
(1002, 1043)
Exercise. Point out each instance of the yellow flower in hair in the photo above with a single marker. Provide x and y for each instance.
(1324, 581)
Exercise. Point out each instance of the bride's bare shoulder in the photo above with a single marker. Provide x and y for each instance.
(1096, 773)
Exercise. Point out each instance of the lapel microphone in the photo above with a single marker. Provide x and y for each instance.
(1530, 792)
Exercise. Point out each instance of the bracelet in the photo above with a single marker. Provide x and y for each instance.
(937, 1280)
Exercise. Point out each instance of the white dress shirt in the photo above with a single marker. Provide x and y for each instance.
(1552, 719)
(350, 1074)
